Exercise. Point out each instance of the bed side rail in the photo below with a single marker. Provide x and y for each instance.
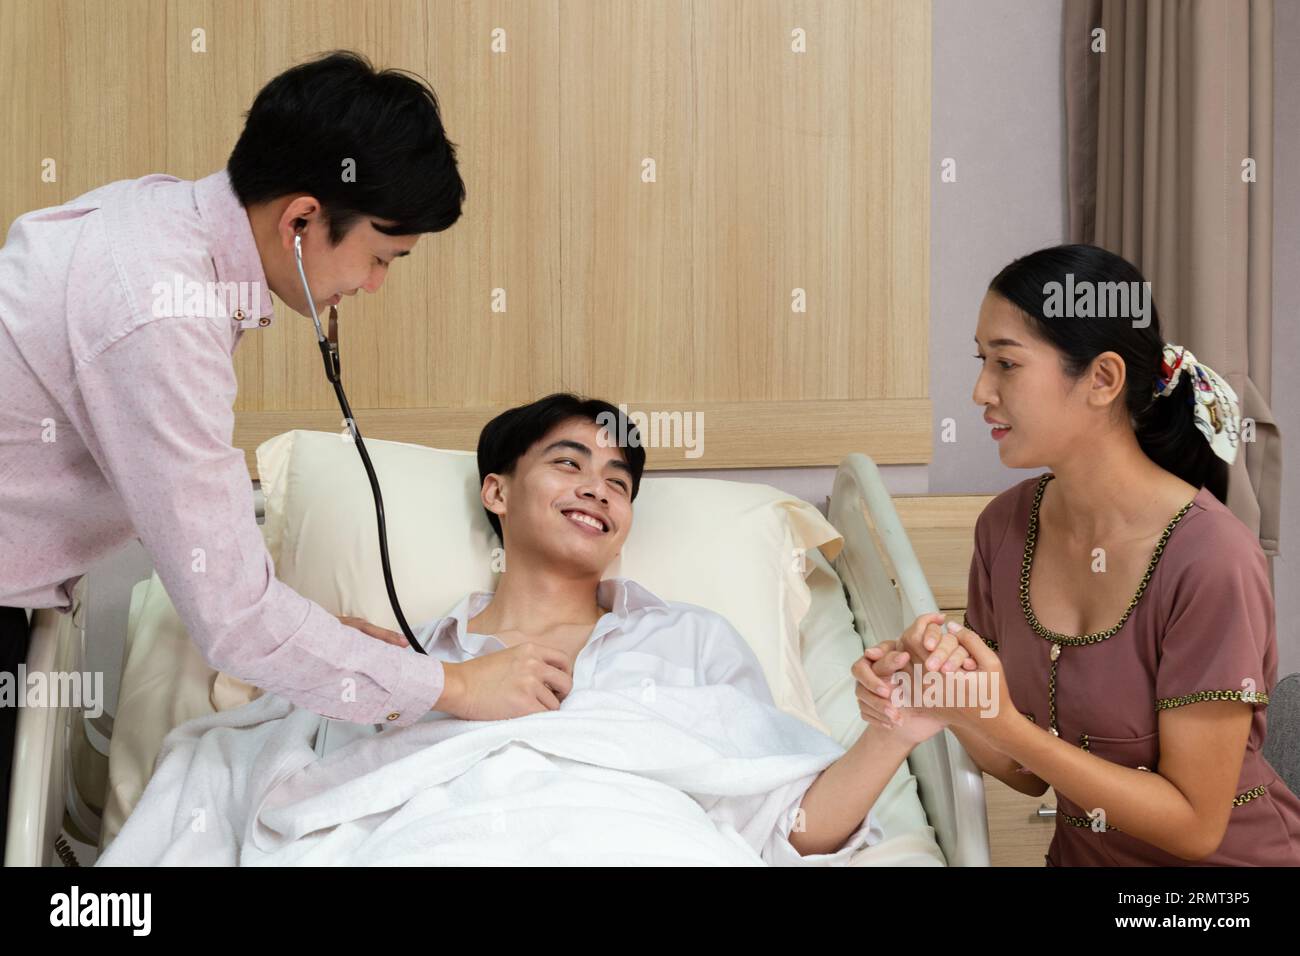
(58, 776)
(887, 590)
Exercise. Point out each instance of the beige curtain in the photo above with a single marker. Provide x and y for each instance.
(1159, 125)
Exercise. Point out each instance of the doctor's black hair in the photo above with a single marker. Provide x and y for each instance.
(509, 436)
(1165, 427)
(308, 121)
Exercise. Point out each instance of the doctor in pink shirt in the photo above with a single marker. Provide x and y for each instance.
(116, 420)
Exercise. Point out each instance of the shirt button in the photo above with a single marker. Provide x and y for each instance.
(263, 321)
(394, 715)
(239, 315)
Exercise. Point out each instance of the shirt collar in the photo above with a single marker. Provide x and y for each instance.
(234, 251)
(622, 596)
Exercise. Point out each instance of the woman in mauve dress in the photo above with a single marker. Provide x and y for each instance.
(1124, 613)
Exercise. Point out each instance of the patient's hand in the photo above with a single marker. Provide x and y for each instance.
(375, 631)
(873, 672)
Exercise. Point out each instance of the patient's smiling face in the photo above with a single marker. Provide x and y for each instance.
(568, 500)
(1023, 384)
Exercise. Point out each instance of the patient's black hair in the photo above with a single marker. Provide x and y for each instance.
(507, 438)
(1165, 427)
(307, 121)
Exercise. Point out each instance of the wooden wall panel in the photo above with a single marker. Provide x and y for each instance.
(627, 93)
(503, 111)
(942, 531)
(774, 170)
(32, 103)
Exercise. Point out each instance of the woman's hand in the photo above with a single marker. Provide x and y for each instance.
(932, 642)
(873, 673)
(984, 693)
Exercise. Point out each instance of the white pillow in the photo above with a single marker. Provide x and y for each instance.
(733, 547)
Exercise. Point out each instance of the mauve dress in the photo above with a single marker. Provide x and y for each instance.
(1202, 629)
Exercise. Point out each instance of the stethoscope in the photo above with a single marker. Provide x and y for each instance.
(329, 350)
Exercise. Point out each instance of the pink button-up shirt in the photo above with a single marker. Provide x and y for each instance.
(119, 314)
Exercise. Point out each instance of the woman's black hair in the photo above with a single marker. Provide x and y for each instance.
(507, 438)
(1165, 426)
(310, 120)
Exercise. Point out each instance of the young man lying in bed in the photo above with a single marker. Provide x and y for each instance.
(653, 737)
(559, 494)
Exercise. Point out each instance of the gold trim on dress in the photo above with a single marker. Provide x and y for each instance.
(1085, 823)
(1058, 640)
(1168, 703)
(1249, 795)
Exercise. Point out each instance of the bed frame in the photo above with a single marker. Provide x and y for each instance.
(887, 591)
(60, 778)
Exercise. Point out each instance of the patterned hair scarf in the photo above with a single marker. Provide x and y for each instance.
(1214, 403)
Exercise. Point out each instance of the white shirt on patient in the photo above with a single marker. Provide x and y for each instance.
(642, 641)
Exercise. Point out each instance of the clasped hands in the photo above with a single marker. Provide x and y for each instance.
(935, 675)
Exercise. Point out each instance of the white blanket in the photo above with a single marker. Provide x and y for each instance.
(696, 775)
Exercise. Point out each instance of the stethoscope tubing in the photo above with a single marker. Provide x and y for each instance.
(329, 349)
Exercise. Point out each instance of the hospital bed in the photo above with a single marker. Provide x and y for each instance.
(64, 783)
